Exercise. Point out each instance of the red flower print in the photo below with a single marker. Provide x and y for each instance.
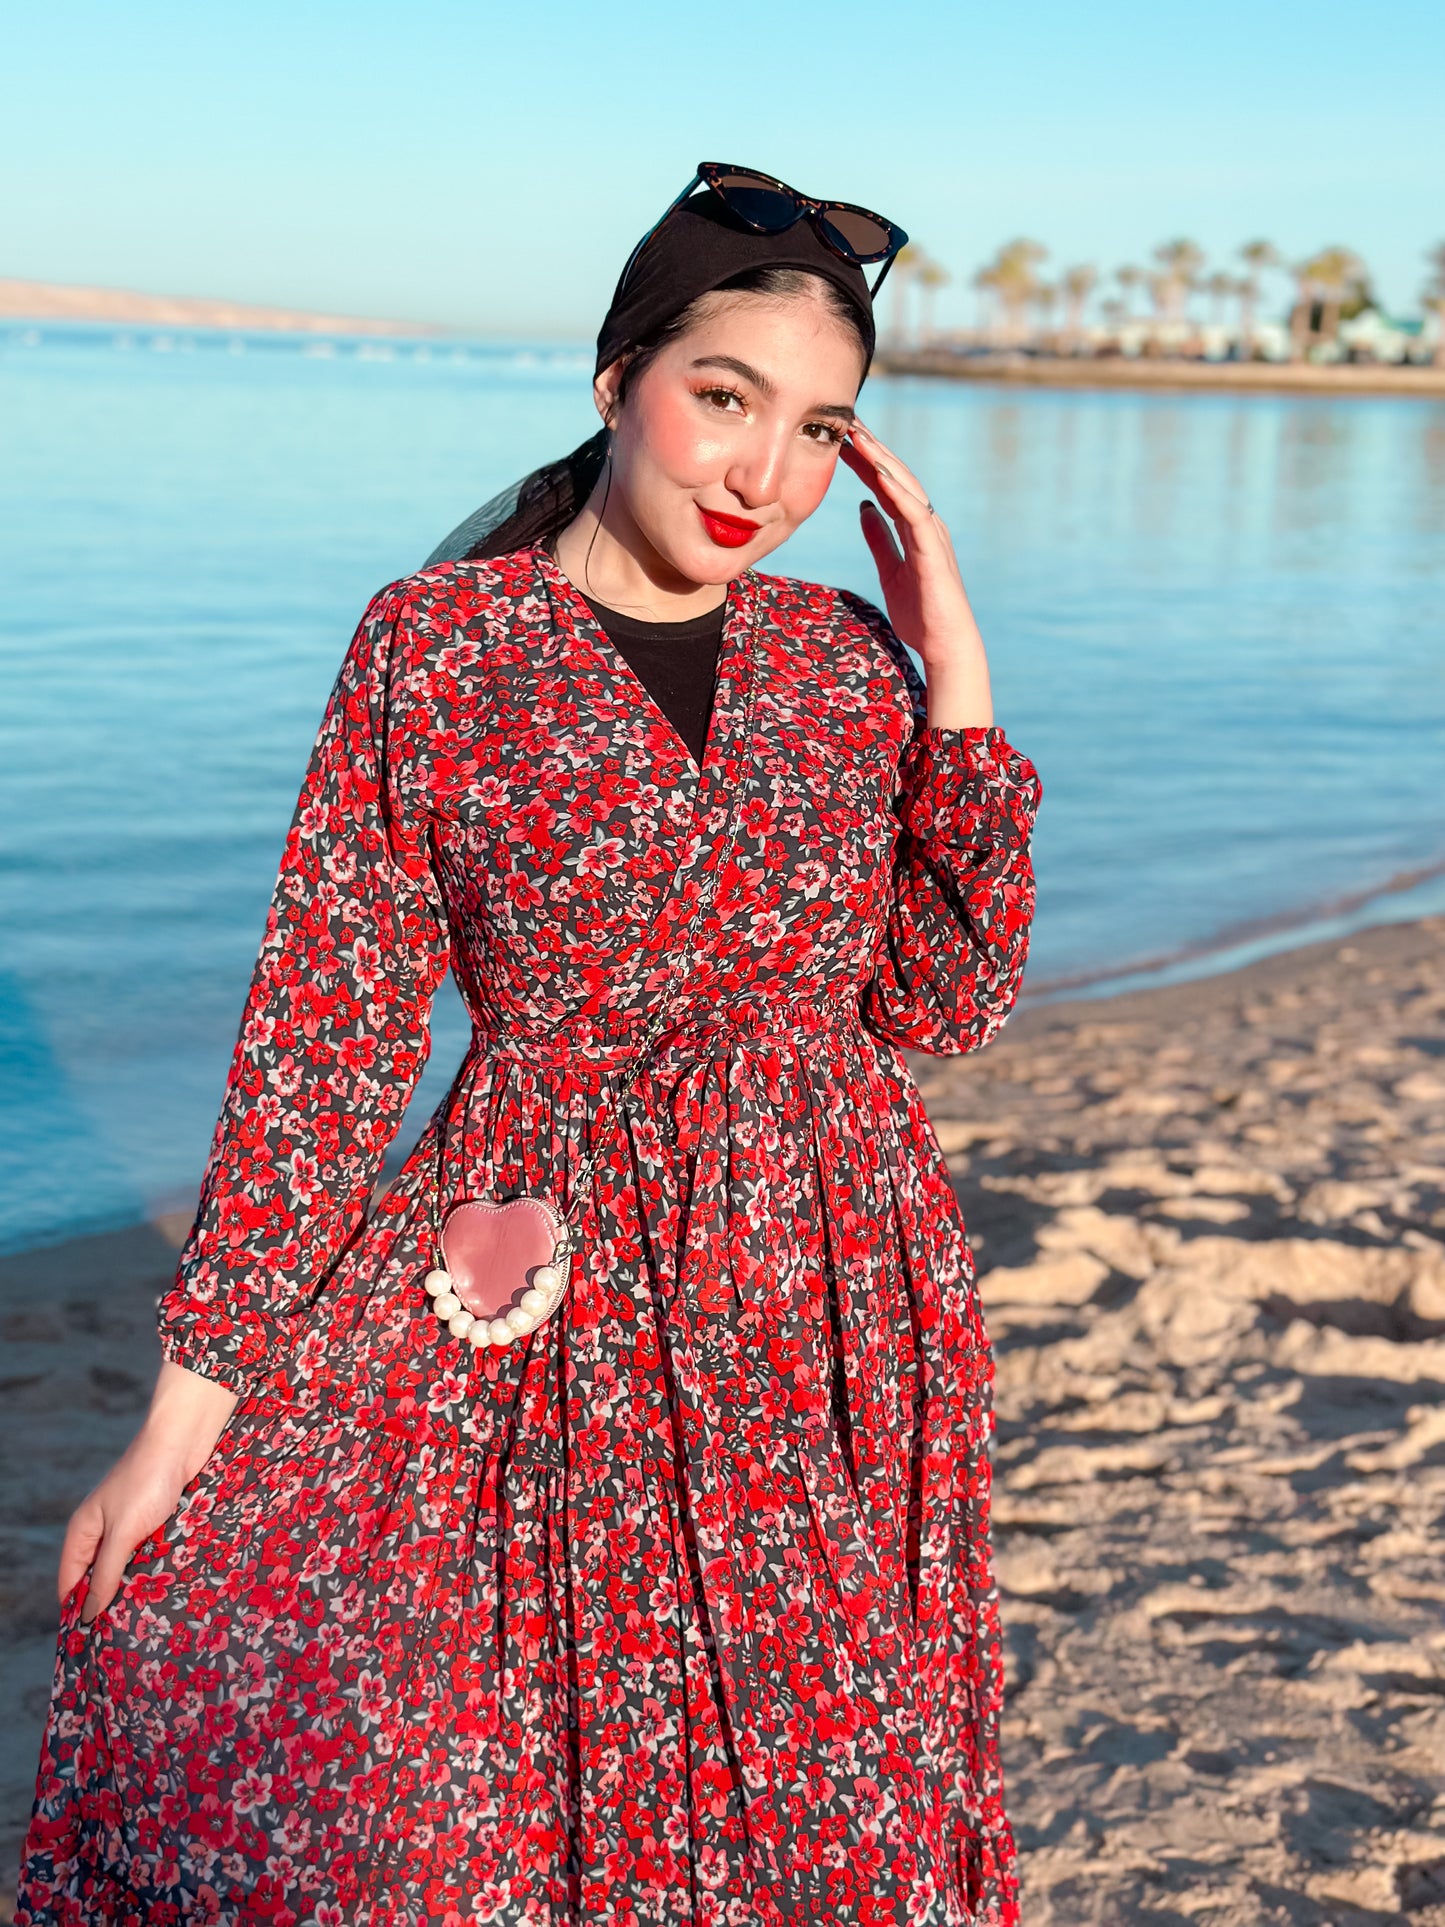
(680, 1612)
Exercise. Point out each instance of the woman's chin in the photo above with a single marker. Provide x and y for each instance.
(702, 563)
(705, 561)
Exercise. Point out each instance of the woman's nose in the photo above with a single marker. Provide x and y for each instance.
(755, 475)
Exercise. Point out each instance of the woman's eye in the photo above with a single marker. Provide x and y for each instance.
(724, 398)
(828, 434)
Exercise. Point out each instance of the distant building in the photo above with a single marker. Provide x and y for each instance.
(1372, 336)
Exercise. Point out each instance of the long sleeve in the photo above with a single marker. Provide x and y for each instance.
(333, 1037)
(957, 936)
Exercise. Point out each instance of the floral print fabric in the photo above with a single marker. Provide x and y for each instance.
(681, 1610)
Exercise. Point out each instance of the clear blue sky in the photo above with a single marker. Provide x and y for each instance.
(491, 166)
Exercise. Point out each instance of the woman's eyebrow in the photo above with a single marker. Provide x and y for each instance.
(739, 368)
(745, 372)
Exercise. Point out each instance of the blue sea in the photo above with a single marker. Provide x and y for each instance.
(1215, 624)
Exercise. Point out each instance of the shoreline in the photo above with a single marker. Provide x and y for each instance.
(1209, 1219)
(1179, 377)
(1404, 897)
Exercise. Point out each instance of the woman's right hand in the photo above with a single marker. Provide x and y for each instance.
(188, 1414)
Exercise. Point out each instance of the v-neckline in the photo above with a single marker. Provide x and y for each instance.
(735, 667)
(697, 636)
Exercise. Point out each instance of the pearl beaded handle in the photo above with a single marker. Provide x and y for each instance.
(617, 1098)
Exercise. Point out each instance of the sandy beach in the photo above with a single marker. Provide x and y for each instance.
(1211, 1223)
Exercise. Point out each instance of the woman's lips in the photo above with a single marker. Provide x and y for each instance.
(728, 531)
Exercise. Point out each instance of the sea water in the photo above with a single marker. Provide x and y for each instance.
(1214, 622)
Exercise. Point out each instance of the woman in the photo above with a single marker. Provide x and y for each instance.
(678, 1607)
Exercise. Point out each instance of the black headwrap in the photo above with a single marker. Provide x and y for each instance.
(700, 246)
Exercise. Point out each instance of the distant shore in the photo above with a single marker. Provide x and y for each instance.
(58, 301)
(1123, 371)
(55, 301)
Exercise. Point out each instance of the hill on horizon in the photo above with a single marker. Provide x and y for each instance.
(58, 301)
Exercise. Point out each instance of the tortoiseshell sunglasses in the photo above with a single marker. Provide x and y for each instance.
(769, 206)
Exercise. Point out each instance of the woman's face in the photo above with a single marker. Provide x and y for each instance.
(729, 438)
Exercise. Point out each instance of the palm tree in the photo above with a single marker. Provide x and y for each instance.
(986, 283)
(1045, 299)
(1180, 262)
(1343, 280)
(1078, 284)
(930, 277)
(1247, 289)
(1012, 277)
(1128, 278)
(1219, 287)
(905, 266)
(1259, 257)
(1330, 281)
(1434, 297)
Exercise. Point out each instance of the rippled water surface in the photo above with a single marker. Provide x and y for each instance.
(1215, 623)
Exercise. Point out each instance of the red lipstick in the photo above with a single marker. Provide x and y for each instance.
(728, 531)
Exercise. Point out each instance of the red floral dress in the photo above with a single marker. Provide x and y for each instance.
(679, 1611)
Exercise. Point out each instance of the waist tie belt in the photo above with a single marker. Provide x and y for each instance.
(582, 1045)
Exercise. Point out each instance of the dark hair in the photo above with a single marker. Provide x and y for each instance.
(542, 504)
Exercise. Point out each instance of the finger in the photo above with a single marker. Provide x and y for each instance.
(860, 463)
(915, 521)
(924, 531)
(879, 451)
(881, 546)
(109, 1570)
(910, 516)
(82, 1536)
(890, 466)
(867, 463)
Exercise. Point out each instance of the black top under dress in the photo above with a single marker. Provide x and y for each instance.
(676, 663)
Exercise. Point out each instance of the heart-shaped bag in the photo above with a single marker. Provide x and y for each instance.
(504, 1267)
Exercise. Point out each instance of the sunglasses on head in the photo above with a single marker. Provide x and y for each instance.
(771, 207)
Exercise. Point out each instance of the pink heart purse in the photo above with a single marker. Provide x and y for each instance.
(504, 1268)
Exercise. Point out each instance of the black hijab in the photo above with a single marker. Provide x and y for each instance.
(699, 247)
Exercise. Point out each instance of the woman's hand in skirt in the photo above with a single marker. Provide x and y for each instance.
(188, 1414)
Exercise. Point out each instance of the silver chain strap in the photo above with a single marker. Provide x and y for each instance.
(617, 1097)
(684, 956)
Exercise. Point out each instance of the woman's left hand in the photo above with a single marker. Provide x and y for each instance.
(922, 587)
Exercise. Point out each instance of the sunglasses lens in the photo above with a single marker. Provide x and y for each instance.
(862, 235)
(756, 201)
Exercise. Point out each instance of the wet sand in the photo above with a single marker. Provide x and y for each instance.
(1211, 1225)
